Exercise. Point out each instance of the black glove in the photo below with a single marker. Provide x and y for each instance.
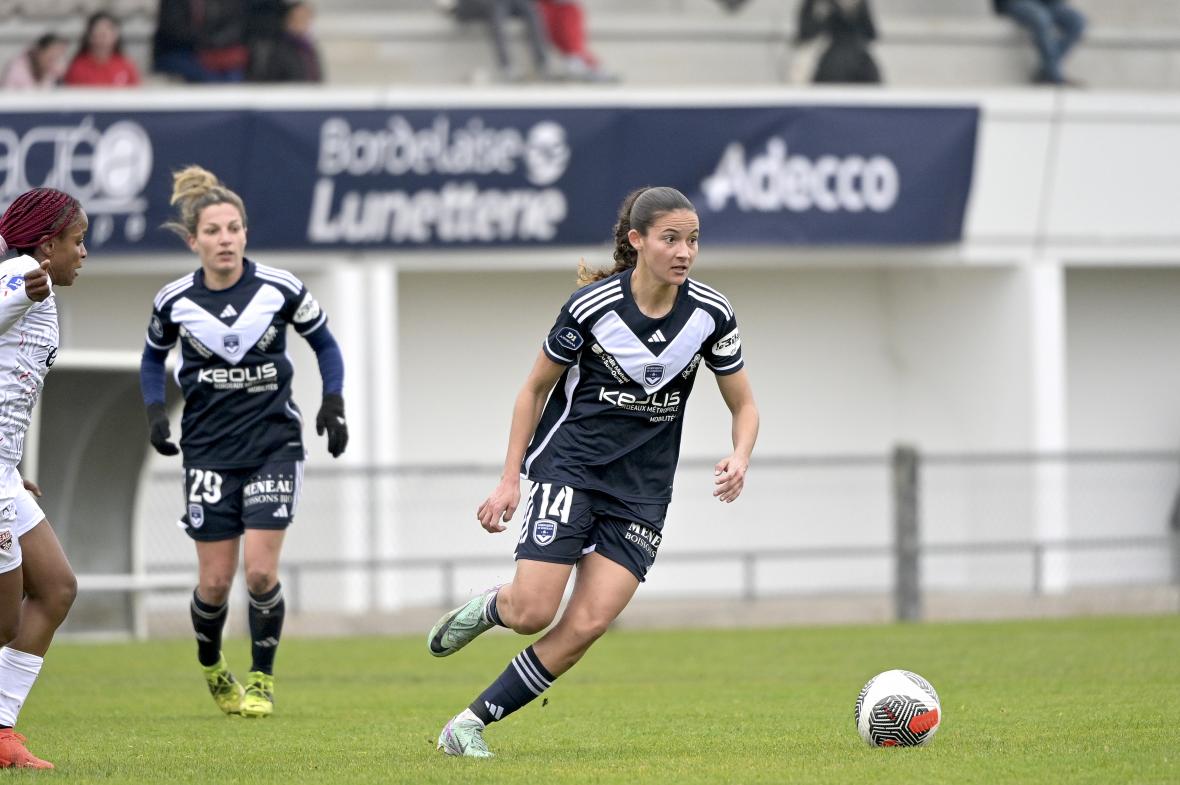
(331, 419)
(158, 430)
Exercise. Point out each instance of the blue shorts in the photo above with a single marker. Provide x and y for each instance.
(221, 504)
(562, 524)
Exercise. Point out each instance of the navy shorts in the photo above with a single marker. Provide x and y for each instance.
(221, 504)
(562, 524)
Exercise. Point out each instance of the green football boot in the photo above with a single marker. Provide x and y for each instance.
(461, 626)
(259, 700)
(226, 690)
(463, 735)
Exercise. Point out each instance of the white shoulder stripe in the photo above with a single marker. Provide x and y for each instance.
(577, 309)
(171, 290)
(709, 291)
(287, 281)
(598, 306)
(277, 272)
(728, 314)
(597, 292)
(706, 288)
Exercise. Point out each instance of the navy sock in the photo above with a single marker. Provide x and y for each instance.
(491, 613)
(208, 622)
(266, 627)
(524, 679)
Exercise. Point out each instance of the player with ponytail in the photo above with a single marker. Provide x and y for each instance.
(241, 434)
(596, 428)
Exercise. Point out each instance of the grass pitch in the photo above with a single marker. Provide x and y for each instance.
(1074, 701)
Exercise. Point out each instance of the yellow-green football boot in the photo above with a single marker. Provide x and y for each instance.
(259, 700)
(226, 690)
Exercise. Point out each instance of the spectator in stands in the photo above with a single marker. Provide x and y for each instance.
(41, 65)
(565, 21)
(1055, 27)
(100, 61)
(290, 54)
(201, 40)
(847, 27)
(496, 14)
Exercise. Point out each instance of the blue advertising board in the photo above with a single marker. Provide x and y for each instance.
(474, 177)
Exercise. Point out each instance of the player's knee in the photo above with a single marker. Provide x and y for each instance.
(587, 629)
(214, 591)
(64, 592)
(260, 581)
(530, 620)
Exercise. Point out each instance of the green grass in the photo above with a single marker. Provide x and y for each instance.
(1074, 701)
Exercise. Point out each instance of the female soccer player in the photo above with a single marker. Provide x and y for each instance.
(47, 228)
(241, 434)
(616, 371)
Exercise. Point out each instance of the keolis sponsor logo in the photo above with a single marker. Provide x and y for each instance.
(773, 181)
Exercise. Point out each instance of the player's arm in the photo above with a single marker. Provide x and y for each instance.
(526, 413)
(330, 417)
(730, 473)
(18, 293)
(151, 387)
(161, 337)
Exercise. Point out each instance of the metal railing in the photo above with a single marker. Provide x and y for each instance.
(905, 550)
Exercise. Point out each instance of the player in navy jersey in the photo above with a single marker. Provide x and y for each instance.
(241, 433)
(596, 428)
(47, 229)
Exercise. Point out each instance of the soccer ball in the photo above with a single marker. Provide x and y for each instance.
(897, 709)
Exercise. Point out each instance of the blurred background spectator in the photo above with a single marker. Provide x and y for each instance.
(565, 22)
(838, 34)
(286, 54)
(1055, 27)
(497, 14)
(41, 65)
(201, 40)
(100, 61)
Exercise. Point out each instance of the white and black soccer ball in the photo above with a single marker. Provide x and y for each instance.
(897, 709)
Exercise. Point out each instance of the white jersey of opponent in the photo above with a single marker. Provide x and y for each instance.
(28, 348)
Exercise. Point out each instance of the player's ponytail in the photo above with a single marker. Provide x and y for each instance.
(639, 211)
(193, 189)
(35, 216)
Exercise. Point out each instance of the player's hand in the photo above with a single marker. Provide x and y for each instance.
(158, 430)
(729, 478)
(331, 419)
(37, 286)
(32, 487)
(499, 507)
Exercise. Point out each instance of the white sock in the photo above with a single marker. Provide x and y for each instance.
(18, 671)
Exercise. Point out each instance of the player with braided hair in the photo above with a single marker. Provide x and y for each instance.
(47, 229)
(597, 427)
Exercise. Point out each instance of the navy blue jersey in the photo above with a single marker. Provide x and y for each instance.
(234, 371)
(614, 419)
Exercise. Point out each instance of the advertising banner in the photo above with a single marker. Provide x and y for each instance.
(472, 177)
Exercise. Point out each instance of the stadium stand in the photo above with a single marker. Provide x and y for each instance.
(1130, 45)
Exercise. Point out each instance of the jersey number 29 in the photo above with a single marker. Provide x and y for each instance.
(204, 486)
